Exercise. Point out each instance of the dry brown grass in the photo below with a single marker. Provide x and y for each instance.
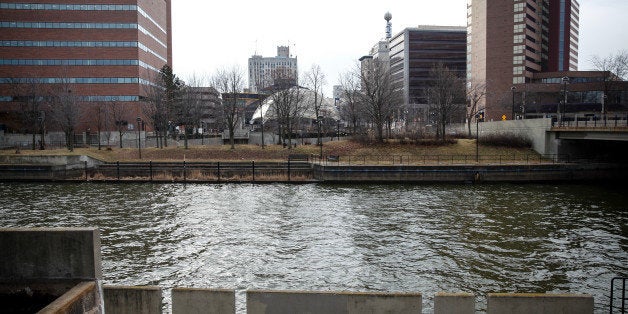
(279, 153)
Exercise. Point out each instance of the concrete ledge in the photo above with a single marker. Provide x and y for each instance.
(276, 302)
(454, 303)
(43, 254)
(520, 303)
(191, 300)
(83, 298)
(131, 300)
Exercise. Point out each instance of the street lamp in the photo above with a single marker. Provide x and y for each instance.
(478, 115)
(139, 139)
(320, 120)
(513, 89)
(565, 82)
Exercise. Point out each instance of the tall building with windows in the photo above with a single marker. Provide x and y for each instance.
(264, 72)
(509, 41)
(97, 52)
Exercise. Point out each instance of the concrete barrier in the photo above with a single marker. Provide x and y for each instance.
(520, 303)
(454, 303)
(208, 301)
(50, 254)
(132, 300)
(278, 302)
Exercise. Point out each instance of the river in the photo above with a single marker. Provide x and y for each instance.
(412, 238)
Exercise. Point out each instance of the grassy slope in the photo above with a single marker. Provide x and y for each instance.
(276, 152)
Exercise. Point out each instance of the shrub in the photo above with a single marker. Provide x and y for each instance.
(506, 140)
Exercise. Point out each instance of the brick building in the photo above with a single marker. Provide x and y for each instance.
(97, 53)
(510, 41)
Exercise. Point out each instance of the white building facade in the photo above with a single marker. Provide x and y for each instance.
(264, 72)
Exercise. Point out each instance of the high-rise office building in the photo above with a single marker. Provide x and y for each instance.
(101, 52)
(509, 41)
(264, 72)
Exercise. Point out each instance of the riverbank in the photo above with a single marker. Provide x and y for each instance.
(84, 168)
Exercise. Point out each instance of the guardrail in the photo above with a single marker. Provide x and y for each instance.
(593, 121)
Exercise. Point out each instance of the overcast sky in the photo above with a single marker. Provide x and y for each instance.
(210, 35)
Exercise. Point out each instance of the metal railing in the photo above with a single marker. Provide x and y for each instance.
(593, 121)
(412, 160)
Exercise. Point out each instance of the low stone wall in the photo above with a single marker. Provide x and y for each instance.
(207, 301)
(132, 300)
(278, 302)
(522, 303)
(468, 173)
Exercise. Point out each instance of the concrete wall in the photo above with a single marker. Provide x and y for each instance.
(68, 162)
(44, 254)
(279, 302)
(454, 303)
(532, 129)
(520, 303)
(208, 301)
(132, 300)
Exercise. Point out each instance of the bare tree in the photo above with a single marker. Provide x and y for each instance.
(229, 83)
(189, 110)
(66, 110)
(155, 110)
(615, 69)
(350, 109)
(117, 112)
(446, 95)
(315, 80)
(379, 96)
(30, 94)
(476, 91)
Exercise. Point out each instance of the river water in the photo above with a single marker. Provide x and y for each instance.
(398, 238)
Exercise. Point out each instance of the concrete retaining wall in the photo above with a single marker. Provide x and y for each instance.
(523, 303)
(132, 300)
(532, 129)
(208, 301)
(45, 254)
(279, 302)
(461, 174)
(454, 303)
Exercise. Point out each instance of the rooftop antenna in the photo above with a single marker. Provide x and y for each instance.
(388, 17)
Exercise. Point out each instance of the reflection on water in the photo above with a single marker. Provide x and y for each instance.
(425, 238)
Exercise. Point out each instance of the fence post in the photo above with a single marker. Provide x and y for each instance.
(85, 169)
(150, 166)
(253, 165)
(118, 169)
(218, 168)
(289, 168)
(184, 172)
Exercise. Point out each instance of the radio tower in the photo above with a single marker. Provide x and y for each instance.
(388, 17)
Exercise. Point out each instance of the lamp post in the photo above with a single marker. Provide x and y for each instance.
(477, 137)
(320, 120)
(261, 115)
(513, 89)
(565, 82)
(139, 139)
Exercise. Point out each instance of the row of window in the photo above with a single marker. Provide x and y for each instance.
(72, 80)
(86, 44)
(79, 7)
(89, 44)
(89, 98)
(79, 62)
(68, 7)
(71, 25)
(67, 25)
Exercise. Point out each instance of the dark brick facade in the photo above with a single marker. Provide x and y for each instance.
(145, 48)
